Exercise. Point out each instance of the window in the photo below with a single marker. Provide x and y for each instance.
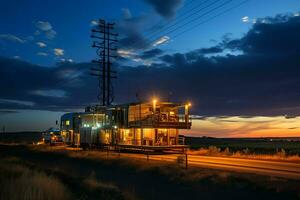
(68, 122)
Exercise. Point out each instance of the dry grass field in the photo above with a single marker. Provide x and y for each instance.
(266, 146)
(43, 172)
(280, 155)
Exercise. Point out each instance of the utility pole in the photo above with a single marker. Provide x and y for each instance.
(104, 40)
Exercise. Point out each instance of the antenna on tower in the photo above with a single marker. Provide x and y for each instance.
(104, 41)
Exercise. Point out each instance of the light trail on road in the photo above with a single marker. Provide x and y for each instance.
(281, 169)
(263, 167)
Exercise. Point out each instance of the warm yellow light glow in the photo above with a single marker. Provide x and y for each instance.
(172, 113)
(187, 105)
(68, 122)
(154, 101)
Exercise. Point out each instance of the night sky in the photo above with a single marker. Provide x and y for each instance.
(238, 62)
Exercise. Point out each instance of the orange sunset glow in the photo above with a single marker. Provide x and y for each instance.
(279, 126)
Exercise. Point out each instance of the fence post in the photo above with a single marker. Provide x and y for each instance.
(107, 153)
(186, 160)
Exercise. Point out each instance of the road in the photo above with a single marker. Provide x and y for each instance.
(263, 167)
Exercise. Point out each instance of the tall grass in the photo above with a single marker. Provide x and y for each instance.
(19, 182)
(161, 175)
(245, 153)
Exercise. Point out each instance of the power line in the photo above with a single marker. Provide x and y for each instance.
(199, 17)
(180, 16)
(160, 21)
(155, 32)
(211, 18)
(195, 19)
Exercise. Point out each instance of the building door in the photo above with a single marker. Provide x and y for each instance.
(162, 137)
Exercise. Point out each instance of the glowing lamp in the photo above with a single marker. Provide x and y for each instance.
(187, 108)
(154, 101)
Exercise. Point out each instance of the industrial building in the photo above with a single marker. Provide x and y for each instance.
(153, 125)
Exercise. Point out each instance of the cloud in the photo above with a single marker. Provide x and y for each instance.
(43, 25)
(94, 23)
(262, 80)
(16, 57)
(167, 8)
(205, 51)
(11, 38)
(42, 54)
(235, 127)
(45, 28)
(28, 86)
(126, 13)
(260, 39)
(18, 102)
(134, 58)
(4, 111)
(50, 34)
(50, 93)
(58, 52)
(245, 19)
(41, 44)
(127, 54)
(37, 32)
(161, 40)
(132, 37)
(151, 53)
(64, 60)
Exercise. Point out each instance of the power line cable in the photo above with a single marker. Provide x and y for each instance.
(161, 21)
(211, 18)
(187, 18)
(179, 17)
(194, 19)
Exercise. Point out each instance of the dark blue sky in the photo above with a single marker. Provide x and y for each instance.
(70, 24)
(242, 63)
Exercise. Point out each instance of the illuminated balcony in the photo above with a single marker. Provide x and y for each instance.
(162, 121)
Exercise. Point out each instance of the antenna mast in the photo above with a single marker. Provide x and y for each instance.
(104, 40)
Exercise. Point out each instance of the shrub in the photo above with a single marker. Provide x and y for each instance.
(246, 151)
(281, 153)
(213, 151)
(227, 152)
